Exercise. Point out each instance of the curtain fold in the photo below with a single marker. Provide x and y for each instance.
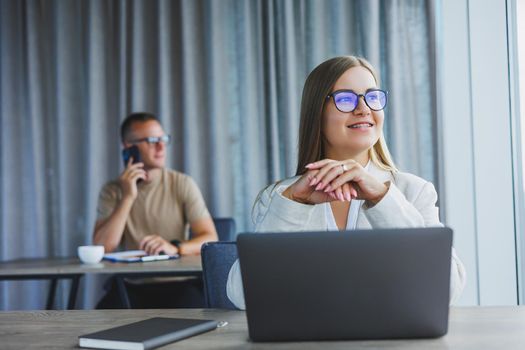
(225, 78)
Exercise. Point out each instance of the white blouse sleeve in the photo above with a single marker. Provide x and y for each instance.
(273, 212)
(395, 210)
(234, 288)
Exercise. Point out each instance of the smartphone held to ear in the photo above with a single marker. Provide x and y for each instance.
(131, 152)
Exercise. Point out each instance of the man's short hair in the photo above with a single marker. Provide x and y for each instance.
(138, 117)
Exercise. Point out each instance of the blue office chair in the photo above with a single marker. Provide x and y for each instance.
(226, 229)
(217, 259)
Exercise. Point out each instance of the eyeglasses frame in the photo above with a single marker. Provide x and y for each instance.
(166, 139)
(331, 95)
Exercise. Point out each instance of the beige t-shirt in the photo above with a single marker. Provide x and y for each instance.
(164, 206)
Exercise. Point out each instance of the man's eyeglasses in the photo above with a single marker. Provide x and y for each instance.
(347, 100)
(152, 140)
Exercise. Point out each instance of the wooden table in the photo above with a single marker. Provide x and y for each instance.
(475, 328)
(71, 268)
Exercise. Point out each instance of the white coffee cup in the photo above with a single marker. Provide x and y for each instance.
(91, 254)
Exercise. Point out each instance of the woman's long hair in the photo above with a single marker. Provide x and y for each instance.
(317, 86)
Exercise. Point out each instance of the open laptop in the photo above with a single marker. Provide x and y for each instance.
(363, 284)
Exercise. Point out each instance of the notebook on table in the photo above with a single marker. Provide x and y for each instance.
(363, 284)
(130, 256)
(146, 334)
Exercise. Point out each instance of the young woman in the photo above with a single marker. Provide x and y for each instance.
(346, 178)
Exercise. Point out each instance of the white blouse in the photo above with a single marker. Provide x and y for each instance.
(353, 213)
(409, 202)
(351, 220)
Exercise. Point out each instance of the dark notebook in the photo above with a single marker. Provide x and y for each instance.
(147, 334)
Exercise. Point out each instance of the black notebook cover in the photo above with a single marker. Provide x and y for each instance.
(147, 334)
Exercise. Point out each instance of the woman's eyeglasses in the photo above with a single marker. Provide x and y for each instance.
(347, 100)
(152, 140)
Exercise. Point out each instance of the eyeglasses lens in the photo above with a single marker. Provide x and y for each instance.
(155, 140)
(376, 99)
(345, 101)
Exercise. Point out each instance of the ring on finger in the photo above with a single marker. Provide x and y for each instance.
(345, 168)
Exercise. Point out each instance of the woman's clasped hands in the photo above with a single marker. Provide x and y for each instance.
(330, 180)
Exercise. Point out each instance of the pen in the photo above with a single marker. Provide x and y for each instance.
(154, 257)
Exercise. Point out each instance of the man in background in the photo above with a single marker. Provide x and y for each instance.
(149, 207)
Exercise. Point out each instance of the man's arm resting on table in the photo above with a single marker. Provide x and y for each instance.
(203, 231)
(108, 232)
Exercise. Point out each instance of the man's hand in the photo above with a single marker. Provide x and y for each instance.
(128, 179)
(155, 244)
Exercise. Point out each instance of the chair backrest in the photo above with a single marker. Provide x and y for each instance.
(225, 229)
(217, 259)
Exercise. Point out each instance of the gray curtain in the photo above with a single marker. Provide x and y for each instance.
(225, 77)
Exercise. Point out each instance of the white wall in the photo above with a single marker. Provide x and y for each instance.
(477, 190)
